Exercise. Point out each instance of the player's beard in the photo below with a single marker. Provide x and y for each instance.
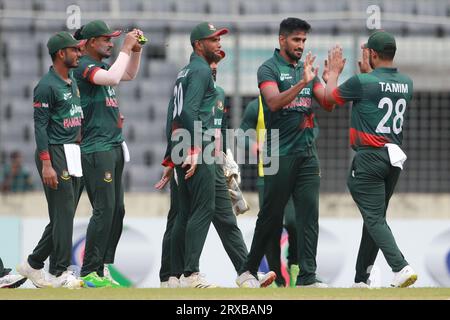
(70, 63)
(292, 56)
(105, 52)
(210, 56)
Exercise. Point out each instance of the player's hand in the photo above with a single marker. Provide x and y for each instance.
(336, 61)
(167, 175)
(326, 71)
(131, 40)
(364, 64)
(49, 176)
(191, 162)
(308, 71)
(137, 47)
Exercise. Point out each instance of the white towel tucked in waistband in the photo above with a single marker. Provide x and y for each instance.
(126, 153)
(73, 159)
(396, 155)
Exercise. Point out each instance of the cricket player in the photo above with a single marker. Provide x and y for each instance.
(287, 88)
(57, 122)
(381, 96)
(224, 220)
(254, 119)
(103, 149)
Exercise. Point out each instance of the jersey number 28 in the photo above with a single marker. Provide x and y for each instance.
(397, 122)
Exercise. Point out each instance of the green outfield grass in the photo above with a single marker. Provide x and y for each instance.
(225, 293)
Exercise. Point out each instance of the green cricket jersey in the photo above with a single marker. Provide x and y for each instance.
(194, 99)
(57, 112)
(102, 125)
(296, 123)
(380, 101)
(220, 118)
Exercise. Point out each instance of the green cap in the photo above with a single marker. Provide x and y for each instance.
(206, 30)
(62, 40)
(98, 28)
(381, 41)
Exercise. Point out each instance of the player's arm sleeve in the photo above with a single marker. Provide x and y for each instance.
(319, 94)
(266, 76)
(133, 66)
(350, 90)
(111, 77)
(194, 92)
(42, 102)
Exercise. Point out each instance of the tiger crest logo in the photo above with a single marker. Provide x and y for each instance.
(65, 175)
(108, 176)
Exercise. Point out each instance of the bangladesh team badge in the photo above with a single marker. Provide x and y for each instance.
(108, 176)
(65, 175)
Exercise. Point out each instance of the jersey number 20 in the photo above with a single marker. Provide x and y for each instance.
(177, 100)
(397, 122)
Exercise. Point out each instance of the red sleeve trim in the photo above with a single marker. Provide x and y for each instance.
(44, 155)
(194, 150)
(267, 83)
(337, 97)
(318, 85)
(92, 74)
(167, 162)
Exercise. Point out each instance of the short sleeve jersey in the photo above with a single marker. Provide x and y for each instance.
(380, 103)
(57, 111)
(102, 125)
(296, 122)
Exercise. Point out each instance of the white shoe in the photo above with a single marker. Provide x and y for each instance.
(173, 282)
(37, 276)
(316, 284)
(195, 280)
(68, 280)
(247, 280)
(266, 279)
(404, 278)
(360, 285)
(108, 275)
(12, 281)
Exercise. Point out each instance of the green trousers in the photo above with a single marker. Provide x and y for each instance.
(273, 251)
(298, 176)
(165, 270)
(201, 202)
(56, 241)
(371, 182)
(102, 173)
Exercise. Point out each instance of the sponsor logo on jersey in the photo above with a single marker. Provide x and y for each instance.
(299, 102)
(285, 76)
(111, 102)
(72, 122)
(108, 176)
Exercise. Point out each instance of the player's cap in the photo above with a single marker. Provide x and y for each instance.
(206, 30)
(381, 41)
(98, 28)
(62, 40)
